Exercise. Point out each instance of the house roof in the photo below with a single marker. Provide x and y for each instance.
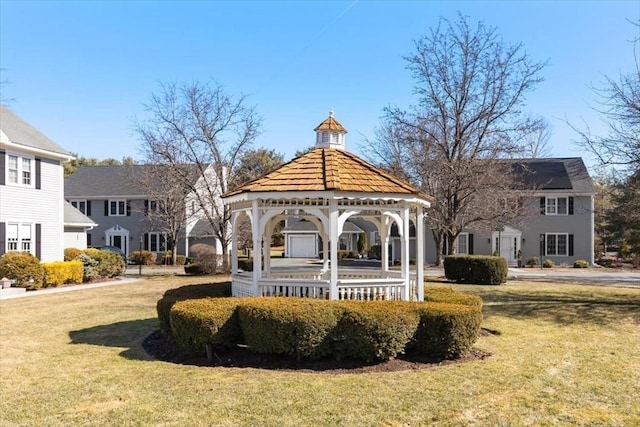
(559, 174)
(329, 169)
(116, 180)
(73, 216)
(15, 131)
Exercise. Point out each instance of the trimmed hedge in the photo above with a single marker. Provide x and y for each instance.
(297, 327)
(207, 321)
(22, 267)
(446, 330)
(61, 272)
(189, 292)
(477, 269)
(312, 329)
(374, 331)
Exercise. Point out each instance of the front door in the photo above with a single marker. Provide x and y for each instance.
(118, 242)
(508, 249)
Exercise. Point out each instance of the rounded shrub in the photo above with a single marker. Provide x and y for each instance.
(298, 327)
(580, 264)
(534, 261)
(374, 330)
(446, 330)
(72, 253)
(198, 323)
(189, 292)
(143, 257)
(22, 267)
(548, 263)
(110, 264)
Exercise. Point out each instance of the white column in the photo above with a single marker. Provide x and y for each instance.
(325, 252)
(420, 254)
(257, 246)
(384, 243)
(333, 243)
(405, 239)
(234, 244)
(593, 227)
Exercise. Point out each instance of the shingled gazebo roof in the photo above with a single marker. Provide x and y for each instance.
(326, 169)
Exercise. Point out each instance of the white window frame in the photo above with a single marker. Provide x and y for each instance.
(81, 205)
(117, 207)
(462, 243)
(553, 206)
(19, 170)
(22, 240)
(556, 244)
(160, 241)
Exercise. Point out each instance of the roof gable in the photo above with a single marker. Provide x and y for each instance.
(17, 131)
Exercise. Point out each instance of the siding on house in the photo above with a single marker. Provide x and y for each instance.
(38, 206)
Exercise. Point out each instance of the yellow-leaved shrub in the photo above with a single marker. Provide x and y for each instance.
(60, 272)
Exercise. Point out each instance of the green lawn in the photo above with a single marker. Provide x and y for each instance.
(562, 355)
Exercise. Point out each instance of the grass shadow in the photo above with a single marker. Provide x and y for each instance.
(562, 307)
(126, 334)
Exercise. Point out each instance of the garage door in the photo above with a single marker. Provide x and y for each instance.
(302, 246)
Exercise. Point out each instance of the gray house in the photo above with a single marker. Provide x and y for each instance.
(119, 199)
(562, 228)
(31, 190)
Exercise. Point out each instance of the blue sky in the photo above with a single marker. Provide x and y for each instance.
(80, 71)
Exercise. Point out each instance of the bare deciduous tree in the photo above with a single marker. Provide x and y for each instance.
(619, 101)
(470, 87)
(199, 124)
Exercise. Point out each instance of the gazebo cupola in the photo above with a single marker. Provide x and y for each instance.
(330, 133)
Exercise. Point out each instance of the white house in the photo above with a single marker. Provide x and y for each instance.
(31, 190)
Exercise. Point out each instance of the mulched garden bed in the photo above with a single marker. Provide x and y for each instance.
(160, 347)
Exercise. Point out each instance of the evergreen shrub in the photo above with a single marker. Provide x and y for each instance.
(206, 321)
(476, 269)
(22, 267)
(72, 253)
(298, 327)
(189, 292)
(581, 263)
(143, 257)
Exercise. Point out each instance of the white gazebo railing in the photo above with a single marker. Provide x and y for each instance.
(353, 284)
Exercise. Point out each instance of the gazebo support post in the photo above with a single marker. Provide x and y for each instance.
(257, 247)
(384, 245)
(420, 254)
(405, 254)
(234, 246)
(333, 250)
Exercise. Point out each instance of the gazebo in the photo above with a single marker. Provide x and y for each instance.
(327, 186)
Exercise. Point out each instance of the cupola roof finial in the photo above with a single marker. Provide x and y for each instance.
(331, 112)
